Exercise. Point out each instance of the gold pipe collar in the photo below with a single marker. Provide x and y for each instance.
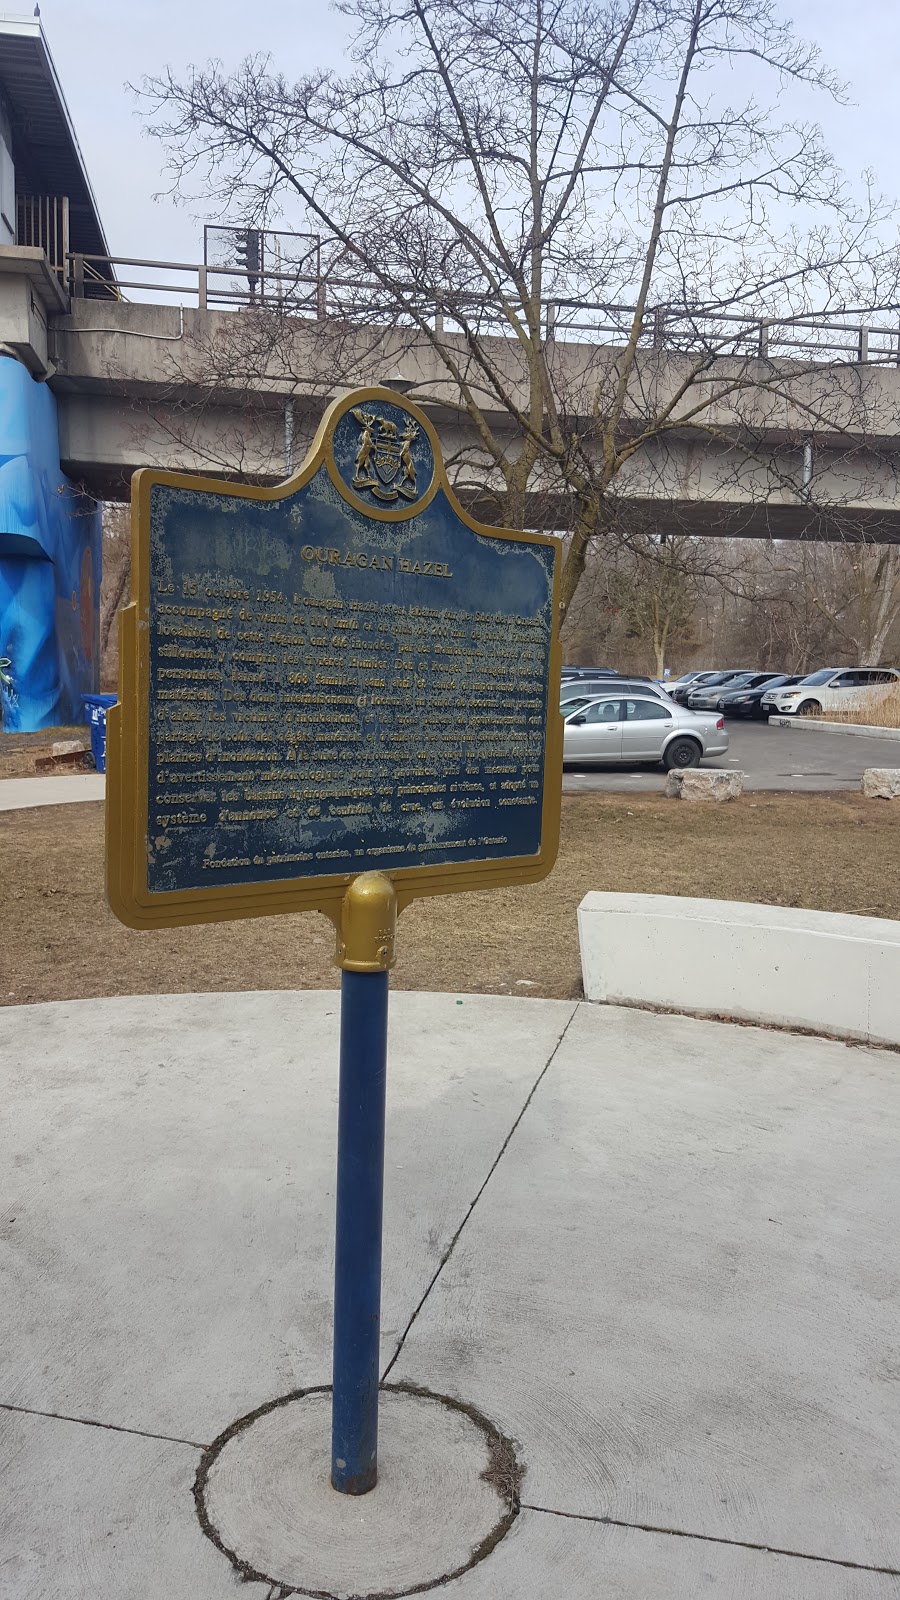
(365, 939)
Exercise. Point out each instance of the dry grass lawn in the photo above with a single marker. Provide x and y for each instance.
(876, 711)
(835, 853)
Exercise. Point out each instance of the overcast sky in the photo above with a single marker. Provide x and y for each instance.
(98, 45)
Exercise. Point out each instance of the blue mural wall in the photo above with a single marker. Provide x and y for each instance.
(50, 566)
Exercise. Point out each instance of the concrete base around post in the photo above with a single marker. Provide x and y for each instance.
(437, 1509)
(802, 969)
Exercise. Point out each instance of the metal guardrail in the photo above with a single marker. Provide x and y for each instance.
(826, 337)
(42, 222)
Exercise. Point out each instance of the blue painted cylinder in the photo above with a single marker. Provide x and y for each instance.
(357, 1266)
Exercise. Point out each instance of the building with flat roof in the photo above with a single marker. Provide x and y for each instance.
(50, 531)
(46, 199)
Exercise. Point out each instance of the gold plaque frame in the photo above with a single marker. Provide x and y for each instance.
(128, 729)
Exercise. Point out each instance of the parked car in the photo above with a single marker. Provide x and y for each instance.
(591, 688)
(830, 689)
(704, 680)
(588, 672)
(712, 699)
(746, 700)
(679, 690)
(681, 682)
(705, 696)
(640, 727)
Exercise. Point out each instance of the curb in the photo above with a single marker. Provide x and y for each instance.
(864, 729)
(820, 971)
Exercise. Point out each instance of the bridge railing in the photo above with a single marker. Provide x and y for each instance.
(828, 337)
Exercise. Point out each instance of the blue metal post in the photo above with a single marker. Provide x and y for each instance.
(357, 1267)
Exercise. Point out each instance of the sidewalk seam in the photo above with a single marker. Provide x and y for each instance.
(713, 1538)
(88, 1422)
(473, 1203)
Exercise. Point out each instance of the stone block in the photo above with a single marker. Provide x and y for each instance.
(881, 783)
(66, 747)
(695, 784)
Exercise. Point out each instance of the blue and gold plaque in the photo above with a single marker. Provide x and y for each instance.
(343, 674)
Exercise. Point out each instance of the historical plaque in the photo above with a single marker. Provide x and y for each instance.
(343, 674)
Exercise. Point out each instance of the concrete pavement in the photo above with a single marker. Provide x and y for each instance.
(21, 794)
(657, 1253)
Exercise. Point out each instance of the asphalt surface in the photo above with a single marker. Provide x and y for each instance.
(791, 759)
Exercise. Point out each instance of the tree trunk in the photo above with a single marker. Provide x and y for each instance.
(885, 603)
(114, 600)
(573, 566)
(659, 653)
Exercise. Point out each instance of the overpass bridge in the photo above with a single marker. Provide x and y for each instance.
(226, 367)
(806, 446)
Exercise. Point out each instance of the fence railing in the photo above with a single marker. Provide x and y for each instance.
(42, 223)
(827, 337)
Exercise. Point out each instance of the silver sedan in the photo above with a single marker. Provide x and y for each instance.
(613, 731)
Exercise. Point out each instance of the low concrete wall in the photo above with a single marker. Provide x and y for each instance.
(867, 729)
(807, 969)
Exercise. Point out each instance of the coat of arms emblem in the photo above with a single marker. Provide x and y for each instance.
(384, 462)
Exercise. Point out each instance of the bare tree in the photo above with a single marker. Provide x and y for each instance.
(769, 615)
(802, 605)
(588, 242)
(660, 586)
(115, 587)
(658, 599)
(858, 595)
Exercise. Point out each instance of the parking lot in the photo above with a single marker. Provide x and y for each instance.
(797, 758)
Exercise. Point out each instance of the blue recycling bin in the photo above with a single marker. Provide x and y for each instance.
(95, 708)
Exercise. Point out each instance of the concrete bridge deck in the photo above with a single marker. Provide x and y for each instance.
(142, 385)
(784, 448)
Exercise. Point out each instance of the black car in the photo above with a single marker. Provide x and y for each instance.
(574, 673)
(745, 701)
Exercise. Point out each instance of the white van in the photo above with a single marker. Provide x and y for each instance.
(831, 689)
